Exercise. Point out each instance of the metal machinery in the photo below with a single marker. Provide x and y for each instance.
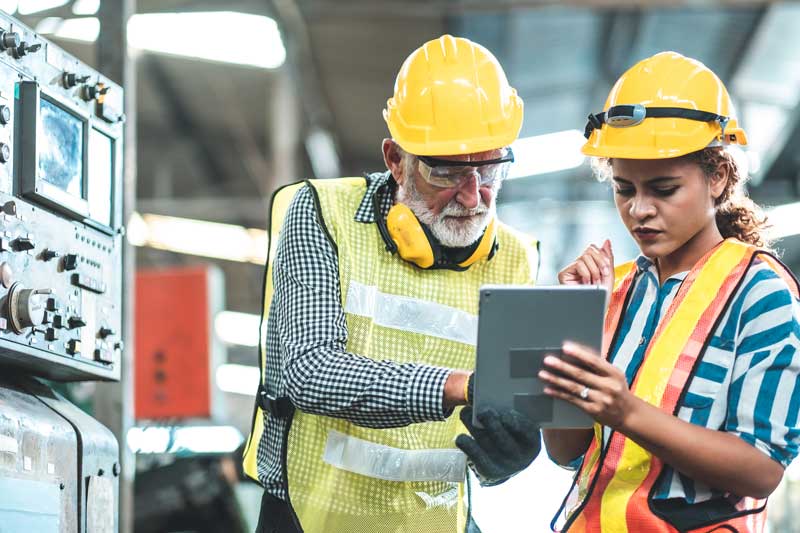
(60, 283)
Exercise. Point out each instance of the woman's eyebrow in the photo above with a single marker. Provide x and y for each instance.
(650, 181)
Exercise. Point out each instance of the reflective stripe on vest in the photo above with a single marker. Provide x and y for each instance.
(393, 464)
(613, 487)
(411, 314)
(396, 312)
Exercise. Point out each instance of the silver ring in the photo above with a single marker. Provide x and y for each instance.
(584, 394)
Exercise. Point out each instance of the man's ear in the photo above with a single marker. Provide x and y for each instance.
(393, 158)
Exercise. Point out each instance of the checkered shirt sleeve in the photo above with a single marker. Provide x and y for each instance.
(307, 337)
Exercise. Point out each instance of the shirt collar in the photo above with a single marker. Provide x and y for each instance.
(366, 211)
(645, 264)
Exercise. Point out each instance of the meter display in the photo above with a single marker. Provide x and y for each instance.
(60, 147)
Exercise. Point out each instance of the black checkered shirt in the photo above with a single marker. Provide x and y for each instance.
(306, 343)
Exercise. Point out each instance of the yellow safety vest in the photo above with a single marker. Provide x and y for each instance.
(346, 478)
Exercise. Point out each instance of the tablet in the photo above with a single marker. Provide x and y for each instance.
(517, 327)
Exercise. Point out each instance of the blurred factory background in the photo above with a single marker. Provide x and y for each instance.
(234, 99)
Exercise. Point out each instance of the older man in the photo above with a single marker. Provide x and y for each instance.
(370, 317)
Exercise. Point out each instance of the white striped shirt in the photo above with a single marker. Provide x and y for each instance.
(747, 381)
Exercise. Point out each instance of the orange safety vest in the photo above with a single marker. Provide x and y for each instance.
(613, 490)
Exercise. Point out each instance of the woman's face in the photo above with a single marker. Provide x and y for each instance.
(664, 203)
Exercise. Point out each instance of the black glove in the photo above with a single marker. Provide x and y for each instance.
(508, 443)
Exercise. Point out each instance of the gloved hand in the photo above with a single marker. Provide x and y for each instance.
(508, 442)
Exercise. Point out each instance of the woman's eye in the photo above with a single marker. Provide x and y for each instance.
(665, 191)
(624, 191)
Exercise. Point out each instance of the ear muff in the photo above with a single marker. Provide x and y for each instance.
(405, 235)
(485, 248)
(414, 245)
(409, 237)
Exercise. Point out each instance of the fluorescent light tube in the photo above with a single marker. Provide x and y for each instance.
(547, 153)
(237, 328)
(238, 379)
(205, 35)
(199, 237)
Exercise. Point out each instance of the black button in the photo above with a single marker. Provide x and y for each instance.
(51, 334)
(73, 346)
(76, 322)
(23, 244)
(70, 262)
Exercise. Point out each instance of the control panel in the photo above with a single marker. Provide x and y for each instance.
(61, 231)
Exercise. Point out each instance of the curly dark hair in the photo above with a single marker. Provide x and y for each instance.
(737, 215)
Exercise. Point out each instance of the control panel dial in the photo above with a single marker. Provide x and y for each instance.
(25, 307)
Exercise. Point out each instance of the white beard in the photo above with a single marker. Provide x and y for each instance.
(449, 231)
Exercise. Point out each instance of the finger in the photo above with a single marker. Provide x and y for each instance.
(475, 432)
(602, 261)
(567, 385)
(466, 417)
(496, 437)
(583, 271)
(584, 405)
(560, 368)
(569, 276)
(608, 251)
(587, 356)
(476, 454)
(524, 430)
(594, 268)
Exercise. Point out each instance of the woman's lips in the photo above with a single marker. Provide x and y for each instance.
(646, 234)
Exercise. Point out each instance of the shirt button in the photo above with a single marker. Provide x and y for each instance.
(642, 341)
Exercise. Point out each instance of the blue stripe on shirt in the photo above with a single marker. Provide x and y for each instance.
(753, 353)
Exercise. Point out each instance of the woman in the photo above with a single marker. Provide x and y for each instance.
(696, 394)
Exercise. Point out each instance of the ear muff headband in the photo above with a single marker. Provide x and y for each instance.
(404, 235)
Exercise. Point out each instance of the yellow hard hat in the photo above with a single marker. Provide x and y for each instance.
(452, 97)
(665, 106)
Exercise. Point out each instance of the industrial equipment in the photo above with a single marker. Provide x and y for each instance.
(61, 231)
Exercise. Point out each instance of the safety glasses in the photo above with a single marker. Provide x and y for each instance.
(446, 173)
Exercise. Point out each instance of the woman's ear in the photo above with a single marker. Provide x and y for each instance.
(719, 180)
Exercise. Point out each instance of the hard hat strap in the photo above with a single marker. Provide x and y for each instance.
(624, 116)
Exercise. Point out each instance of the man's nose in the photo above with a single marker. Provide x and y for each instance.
(468, 193)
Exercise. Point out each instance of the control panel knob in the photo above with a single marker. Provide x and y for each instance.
(76, 322)
(5, 114)
(70, 262)
(24, 307)
(23, 244)
(106, 332)
(91, 92)
(9, 208)
(24, 49)
(70, 79)
(5, 153)
(9, 39)
(49, 254)
(73, 346)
